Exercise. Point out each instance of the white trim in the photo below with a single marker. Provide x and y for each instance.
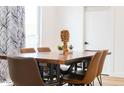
(118, 75)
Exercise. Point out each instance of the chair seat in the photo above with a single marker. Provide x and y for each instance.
(74, 78)
(78, 78)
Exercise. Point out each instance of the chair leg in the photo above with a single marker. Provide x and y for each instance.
(69, 84)
(88, 84)
(92, 83)
(75, 69)
(70, 68)
(82, 84)
(51, 72)
(99, 80)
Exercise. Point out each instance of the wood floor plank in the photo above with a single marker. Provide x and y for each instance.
(111, 81)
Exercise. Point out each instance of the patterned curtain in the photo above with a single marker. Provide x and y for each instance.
(12, 36)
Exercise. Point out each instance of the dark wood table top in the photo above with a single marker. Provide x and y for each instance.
(56, 58)
(109, 53)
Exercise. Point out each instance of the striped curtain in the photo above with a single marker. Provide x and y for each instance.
(12, 36)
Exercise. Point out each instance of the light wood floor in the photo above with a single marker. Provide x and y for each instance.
(111, 81)
(107, 81)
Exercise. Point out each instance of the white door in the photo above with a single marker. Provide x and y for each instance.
(98, 32)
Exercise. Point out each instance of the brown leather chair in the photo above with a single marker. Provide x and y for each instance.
(88, 77)
(43, 49)
(101, 64)
(24, 71)
(27, 50)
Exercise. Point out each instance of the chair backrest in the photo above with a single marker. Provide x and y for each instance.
(27, 50)
(24, 71)
(43, 49)
(92, 68)
(102, 60)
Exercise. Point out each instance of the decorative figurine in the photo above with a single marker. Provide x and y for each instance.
(65, 40)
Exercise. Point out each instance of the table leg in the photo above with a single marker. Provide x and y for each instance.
(41, 68)
(51, 72)
(86, 63)
(58, 73)
(75, 68)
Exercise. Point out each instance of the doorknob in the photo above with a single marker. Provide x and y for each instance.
(86, 43)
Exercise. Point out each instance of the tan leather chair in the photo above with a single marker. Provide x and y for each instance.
(27, 50)
(89, 76)
(24, 71)
(101, 64)
(43, 49)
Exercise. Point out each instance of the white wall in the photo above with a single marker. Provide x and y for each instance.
(55, 18)
(49, 25)
(72, 18)
(119, 43)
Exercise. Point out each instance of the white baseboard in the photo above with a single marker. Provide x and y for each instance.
(117, 75)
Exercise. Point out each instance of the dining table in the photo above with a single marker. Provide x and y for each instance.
(59, 59)
(56, 58)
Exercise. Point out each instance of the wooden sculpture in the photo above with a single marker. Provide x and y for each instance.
(65, 40)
